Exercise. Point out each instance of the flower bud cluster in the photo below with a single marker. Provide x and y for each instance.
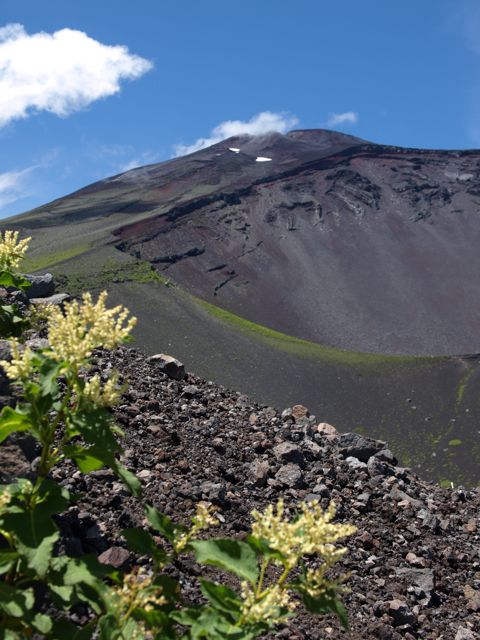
(312, 532)
(106, 396)
(74, 334)
(274, 604)
(20, 366)
(138, 590)
(12, 250)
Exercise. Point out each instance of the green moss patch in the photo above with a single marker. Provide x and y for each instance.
(455, 442)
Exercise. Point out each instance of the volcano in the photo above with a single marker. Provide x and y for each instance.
(316, 263)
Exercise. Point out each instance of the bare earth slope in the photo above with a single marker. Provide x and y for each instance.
(333, 239)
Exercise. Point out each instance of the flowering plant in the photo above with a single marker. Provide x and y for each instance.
(12, 251)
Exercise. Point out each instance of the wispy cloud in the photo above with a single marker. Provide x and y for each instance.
(14, 185)
(139, 161)
(263, 122)
(336, 119)
(60, 72)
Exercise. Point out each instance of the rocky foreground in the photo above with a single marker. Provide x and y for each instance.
(414, 562)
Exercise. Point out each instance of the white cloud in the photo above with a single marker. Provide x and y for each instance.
(348, 117)
(60, 72)
(263, 122)
(13, 186)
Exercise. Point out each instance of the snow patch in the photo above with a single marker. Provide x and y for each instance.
(234, 149)
(262, 159)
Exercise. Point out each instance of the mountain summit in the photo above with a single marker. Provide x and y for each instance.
(317, 234)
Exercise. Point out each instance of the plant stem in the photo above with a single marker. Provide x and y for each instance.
(261, 578)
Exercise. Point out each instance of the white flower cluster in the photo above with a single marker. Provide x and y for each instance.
(271, 606)
(12, 250)
(74, 334)
(313, 532)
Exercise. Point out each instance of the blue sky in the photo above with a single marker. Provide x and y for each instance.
(75, 108)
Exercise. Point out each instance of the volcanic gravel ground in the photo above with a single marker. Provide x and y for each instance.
(414, 563)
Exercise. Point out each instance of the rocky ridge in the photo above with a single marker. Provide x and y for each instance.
(414, 562)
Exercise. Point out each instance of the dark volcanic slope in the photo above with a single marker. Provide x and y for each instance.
(334, 239)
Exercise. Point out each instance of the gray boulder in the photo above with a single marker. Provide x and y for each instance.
(40, 286)
(58, 299)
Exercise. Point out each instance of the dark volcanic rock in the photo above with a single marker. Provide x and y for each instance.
(352, 444)
(170, 365)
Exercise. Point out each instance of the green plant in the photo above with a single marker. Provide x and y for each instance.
(12, 251)
(67, 410)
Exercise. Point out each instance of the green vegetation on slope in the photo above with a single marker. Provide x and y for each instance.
(111, 271)
(306, 348)
(47, 260)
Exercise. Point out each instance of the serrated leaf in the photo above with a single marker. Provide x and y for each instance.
(111, 630)
(232, 555)
(94, 426)
(38, 558)
(12, 421)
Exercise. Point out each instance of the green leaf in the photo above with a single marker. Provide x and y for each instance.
(129, 479)
(38, 557)
(232, 555)
(65, 629)
(49, 370)
(328, 602)
(141, 541)
(35, 531)
(94, 426)
(15, 602)
(221, 597)
(7, 558)
(88, 459)
(11, 421)
(8, 279)
(12, 323)
(110, 629)
(79, 579)
(41, 623)
(163, 524)
(211, 624)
